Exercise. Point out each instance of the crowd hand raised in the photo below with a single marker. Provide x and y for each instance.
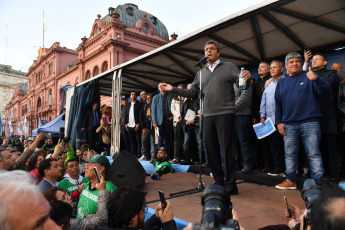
(40, 137)
(311, 75)
(60, 146)
(102, 185)
(167, 214)
(262, 120)
(307, 55)
(281, 129)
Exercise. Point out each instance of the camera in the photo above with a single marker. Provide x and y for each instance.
(310, 192)
(217, 210)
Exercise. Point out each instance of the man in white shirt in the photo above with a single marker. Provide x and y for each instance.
(132, 124)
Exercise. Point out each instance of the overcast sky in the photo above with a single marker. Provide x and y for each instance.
(68, 21)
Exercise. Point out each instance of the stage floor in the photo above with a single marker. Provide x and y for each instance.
(257, 205)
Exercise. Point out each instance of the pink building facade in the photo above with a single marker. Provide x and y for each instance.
(123, 34)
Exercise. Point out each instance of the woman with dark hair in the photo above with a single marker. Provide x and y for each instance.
(127, 208)
(56, 194)
(91, 221)
(33, 166)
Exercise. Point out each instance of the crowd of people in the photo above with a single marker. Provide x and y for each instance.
(306, 105)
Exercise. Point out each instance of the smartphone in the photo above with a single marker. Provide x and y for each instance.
(307, 49)
(48, 135)
(97, 174)
(162, 198)
(287, 207)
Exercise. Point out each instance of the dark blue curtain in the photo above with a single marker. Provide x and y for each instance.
(83, 98)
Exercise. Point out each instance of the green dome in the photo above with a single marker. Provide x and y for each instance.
(130, 14)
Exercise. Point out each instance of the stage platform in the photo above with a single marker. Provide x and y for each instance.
(257, 205)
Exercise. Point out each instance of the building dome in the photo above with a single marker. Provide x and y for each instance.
(130, 14)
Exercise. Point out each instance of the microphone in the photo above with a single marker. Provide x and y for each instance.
(199, 63)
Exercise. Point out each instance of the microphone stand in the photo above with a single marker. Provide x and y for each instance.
(200, 187)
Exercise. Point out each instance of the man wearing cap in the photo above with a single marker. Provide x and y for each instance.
(162, 165)
(88, 198)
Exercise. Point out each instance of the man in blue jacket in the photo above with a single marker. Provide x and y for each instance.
(298, 116)
(162, 119)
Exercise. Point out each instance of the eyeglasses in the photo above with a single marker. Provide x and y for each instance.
(316, 59)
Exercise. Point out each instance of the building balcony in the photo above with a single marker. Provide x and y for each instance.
(47, 108)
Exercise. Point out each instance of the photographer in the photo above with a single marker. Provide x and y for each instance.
(325, 208)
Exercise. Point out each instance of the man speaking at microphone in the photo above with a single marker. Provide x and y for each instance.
(217, 79)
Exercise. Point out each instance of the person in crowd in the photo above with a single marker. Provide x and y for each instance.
(243, 102)
(17, 145)
(88, 198)
(329, 123)
(83, 155)
(191, 128)
(258, 89)
(127, 208)
(107, 114)
(105, 130)
(91, 123)
(219, 111)
(267, 110)
(336, 66)
(5, 143)
(54, 194)
(33, 164)
(143, 97)
(147, 132)
(23, 212)
(61, 213)
(15, 154)
(49, 145)
(124, 132)
(162, 119)
(132, 124)
(73, 183)
(50, 170)
(162, 164)
(6, 162)
(296, 119)
(176, 105)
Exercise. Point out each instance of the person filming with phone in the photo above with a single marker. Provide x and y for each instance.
(95, 166)
(127, 208)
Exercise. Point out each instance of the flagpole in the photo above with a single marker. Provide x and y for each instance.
(43, 30)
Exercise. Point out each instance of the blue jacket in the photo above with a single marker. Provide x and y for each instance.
(297, 98)
(157, 108)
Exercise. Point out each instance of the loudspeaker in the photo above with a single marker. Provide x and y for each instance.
(126, 170)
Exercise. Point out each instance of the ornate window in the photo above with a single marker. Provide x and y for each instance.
(130, 11)
(104, 66)
(95, 71)
(87, 75)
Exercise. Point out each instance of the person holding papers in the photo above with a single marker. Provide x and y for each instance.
(191, 127)
(267, 110)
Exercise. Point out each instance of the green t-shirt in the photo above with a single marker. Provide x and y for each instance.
(69, 187)
(88, 200)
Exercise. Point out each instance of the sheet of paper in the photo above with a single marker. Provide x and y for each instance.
(190, 115)
(262, 131)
